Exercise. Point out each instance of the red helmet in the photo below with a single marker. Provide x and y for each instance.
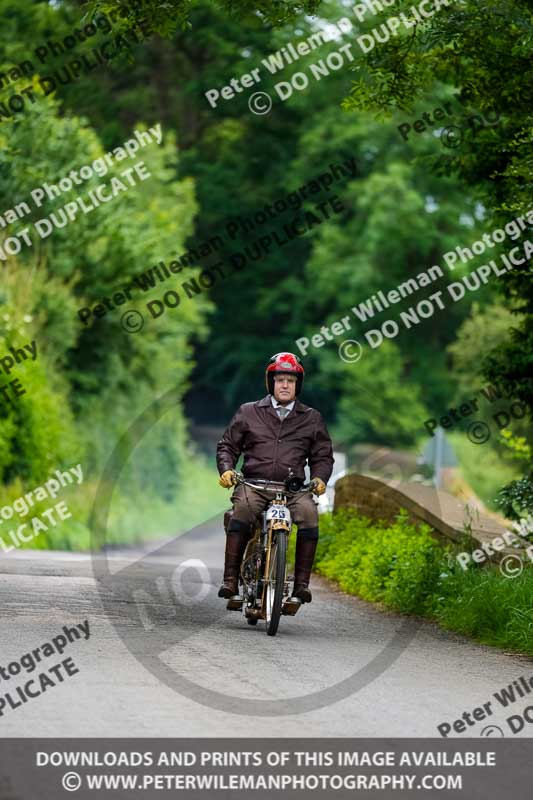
(287, 363)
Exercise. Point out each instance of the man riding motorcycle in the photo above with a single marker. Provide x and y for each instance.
(276, 434)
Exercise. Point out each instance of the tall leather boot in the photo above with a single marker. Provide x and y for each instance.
(236, 541)
(305, 555)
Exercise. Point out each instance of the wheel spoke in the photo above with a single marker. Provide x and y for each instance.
(271, 582)
(275, 581)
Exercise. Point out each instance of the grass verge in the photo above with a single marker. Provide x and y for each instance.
(402, 567)
(487, 474)
(132, 520)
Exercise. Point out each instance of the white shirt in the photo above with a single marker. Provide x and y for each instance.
(277, 405)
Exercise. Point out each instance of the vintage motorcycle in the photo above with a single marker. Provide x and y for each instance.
(263, 576)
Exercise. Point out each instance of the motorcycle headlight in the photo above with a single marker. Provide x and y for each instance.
(293, 484)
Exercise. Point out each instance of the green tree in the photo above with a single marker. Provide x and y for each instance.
(168, 16)
(490, 68)
(484, 329)
(91, 369)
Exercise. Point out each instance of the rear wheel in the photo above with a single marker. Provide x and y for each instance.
(275, 581)
(251, 620)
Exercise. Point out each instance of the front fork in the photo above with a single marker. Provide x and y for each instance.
(265, 539)
(267, 544)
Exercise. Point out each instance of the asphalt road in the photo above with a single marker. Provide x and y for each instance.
(165, 658)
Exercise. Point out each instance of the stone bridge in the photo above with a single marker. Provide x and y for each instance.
(450, 519)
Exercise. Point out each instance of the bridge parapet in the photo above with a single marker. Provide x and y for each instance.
(449, 518)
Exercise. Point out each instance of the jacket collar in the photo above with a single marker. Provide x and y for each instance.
(298, 407)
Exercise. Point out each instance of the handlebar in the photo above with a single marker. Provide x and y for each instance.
(239, 479)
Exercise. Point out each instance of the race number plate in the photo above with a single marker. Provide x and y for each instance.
(279, 513)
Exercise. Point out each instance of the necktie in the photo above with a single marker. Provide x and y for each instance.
(282, 412)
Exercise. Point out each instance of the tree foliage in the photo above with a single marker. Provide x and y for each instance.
(483, 52)
(173, 14)
(408, 203)
(82, 371)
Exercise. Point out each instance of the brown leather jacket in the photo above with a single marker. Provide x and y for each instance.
(271, 446)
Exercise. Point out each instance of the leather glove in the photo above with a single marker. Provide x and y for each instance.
(226, 479)
(320, 486)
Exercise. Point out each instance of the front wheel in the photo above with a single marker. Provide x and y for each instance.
(275, 581)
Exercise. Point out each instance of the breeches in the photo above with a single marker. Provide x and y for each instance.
(248, 503)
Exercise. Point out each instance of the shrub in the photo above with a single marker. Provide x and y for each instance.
(396, 564)
(402, 566)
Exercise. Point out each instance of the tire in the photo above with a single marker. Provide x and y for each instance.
(274, 582)
(251, 620)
